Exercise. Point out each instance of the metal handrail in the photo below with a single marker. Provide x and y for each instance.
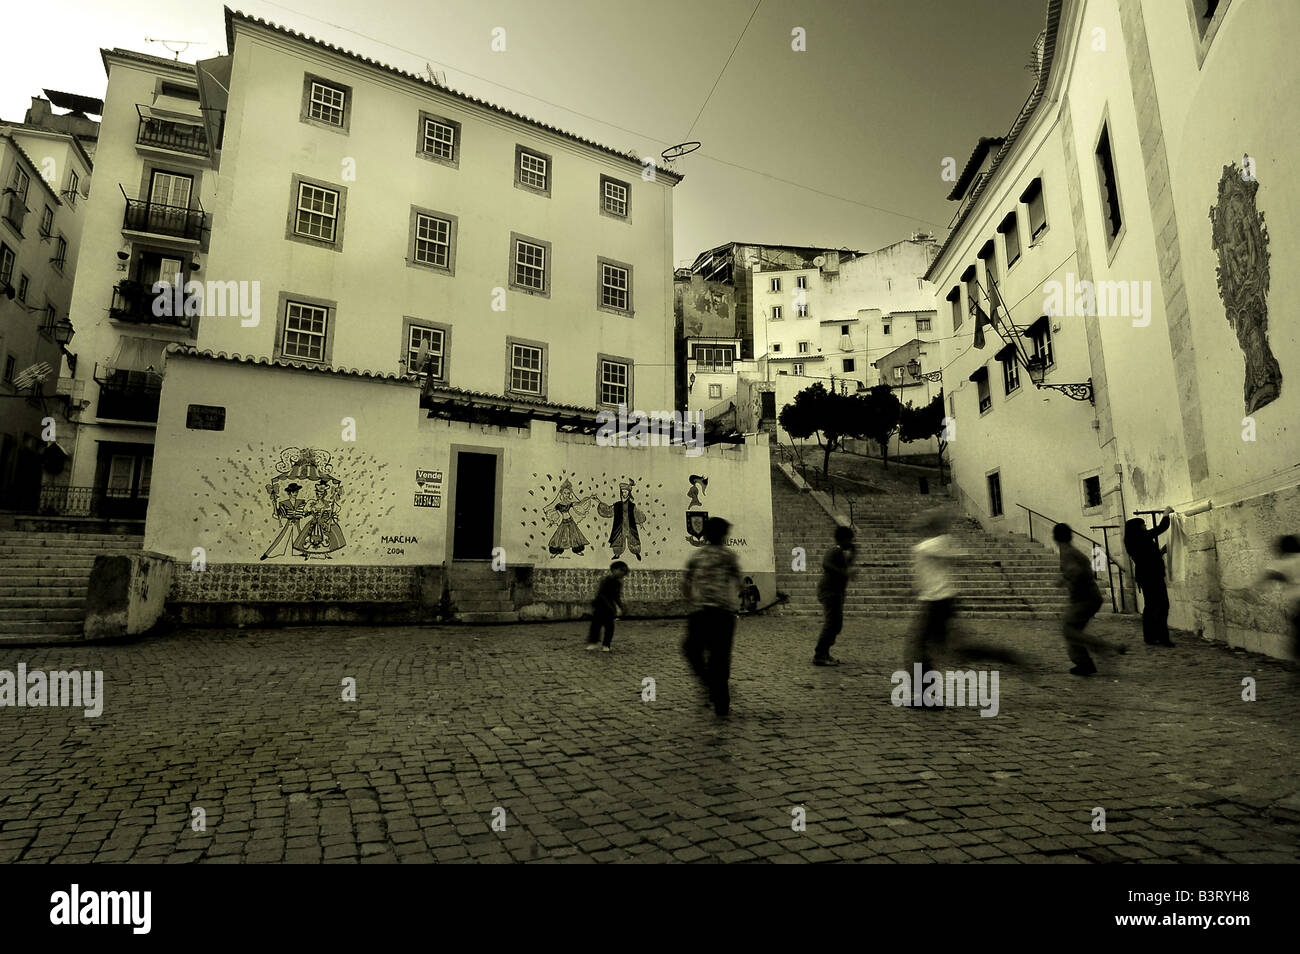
(1096, 548)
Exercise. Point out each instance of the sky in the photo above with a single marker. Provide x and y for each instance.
(840, 144)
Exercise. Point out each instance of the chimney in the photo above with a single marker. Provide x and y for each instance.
(38, 111)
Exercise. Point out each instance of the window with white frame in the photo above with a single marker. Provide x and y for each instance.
(318, 212)
(898, 374)
(60, 253)
(922, 324)
(615, 287)
(526, 369)
(1010, 375)
(1032, 197)
(801, 310)
(23, 283)
(803, 347)
(533, 170)
(774, 284)
(305, 328)
(715, 391)
(801, 281)
(530, 265)
(432, 343)
(440, 139)
(776, 312)
(614, 197)
(326, 103)
(47, 222)
(432, 240)
(1010, 229)
(715, 358)
(985, 397)
(1041, 342)
(74, 187)
(796, 368)
(7, 261)
(615, 386)
(1090, 486)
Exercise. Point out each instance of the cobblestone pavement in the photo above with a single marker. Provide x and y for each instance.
(452, 723)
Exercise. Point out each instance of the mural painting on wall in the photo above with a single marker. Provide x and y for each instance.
(695, 527)
(566, 502)
(254, 488)
(699, 485)
(308, 527)
(1240, 240)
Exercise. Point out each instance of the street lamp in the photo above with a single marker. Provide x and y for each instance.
(914, 369)
(63, 331)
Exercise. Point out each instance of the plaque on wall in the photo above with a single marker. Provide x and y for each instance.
(205, 417)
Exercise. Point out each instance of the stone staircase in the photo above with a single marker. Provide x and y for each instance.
(481, 594)
(43, 580)
(1006, 577)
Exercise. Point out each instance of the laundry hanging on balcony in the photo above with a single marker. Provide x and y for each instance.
(138, 354)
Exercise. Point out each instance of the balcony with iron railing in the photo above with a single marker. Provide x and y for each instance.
(134, 302)
(156, 219)
(183, 137)
(129, 396)
(13, 210)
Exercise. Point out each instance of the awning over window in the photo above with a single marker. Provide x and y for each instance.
(1038, 325)
(138, 354)
(980, 374)
(1007, 353)
(160, 111)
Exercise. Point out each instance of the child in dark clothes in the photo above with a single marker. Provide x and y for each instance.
(607, 604)
(749, 596)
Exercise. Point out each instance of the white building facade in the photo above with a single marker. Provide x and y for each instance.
(1118, 237)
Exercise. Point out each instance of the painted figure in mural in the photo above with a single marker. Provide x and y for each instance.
(289, 512)
(560, 513)
(695, 520)
(1240, 241)
(699, 485)
(625, 533)
(1143, 548)
(321, 534)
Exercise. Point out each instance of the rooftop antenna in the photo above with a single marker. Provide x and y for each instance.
(184, 45)
(437, 77)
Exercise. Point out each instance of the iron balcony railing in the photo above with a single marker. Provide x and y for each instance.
(178, 137)
(134, 302)
(172, 220)
(69, 501)
(129, 396)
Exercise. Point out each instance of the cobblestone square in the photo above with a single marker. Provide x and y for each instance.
(455, 728)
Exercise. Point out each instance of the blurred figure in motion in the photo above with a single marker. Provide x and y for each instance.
(837, 570)
(1285, 570)
(1085, 600)
(712, 586)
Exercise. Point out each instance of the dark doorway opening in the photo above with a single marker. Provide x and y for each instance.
(475, 514)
